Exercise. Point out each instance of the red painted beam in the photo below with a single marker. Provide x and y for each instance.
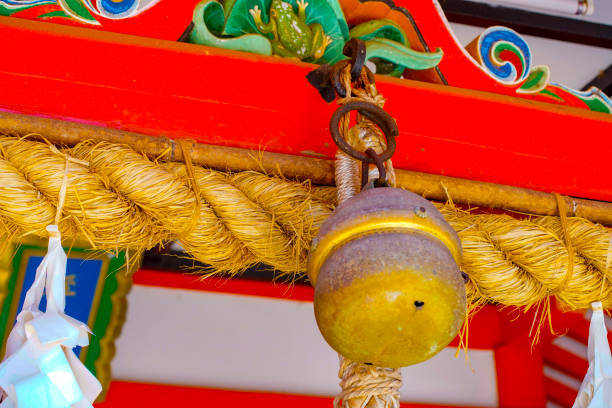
(560, 393)
(565, 361)
(520, 379)
(518, 362)
(129, 395)
(229, 98)
(580, 331)
(176, 280)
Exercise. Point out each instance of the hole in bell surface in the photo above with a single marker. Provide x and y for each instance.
(419, 303)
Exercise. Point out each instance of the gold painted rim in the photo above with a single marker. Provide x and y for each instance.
(388, 224)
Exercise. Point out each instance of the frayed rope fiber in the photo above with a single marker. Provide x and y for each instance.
(118, 199)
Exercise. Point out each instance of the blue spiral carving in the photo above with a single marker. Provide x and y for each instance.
(117, 7)
(497, 39)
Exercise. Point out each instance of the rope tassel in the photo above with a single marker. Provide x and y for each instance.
(119, 199)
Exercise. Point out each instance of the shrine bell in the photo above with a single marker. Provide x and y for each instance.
(388, 290)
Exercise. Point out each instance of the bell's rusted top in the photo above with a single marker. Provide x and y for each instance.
(379, 210)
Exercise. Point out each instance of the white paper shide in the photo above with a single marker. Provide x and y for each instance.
(596, 388)
(40, 370)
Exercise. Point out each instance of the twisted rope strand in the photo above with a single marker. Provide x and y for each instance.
(521, 262)
(367, 386)
(248, 218)
(90, 207)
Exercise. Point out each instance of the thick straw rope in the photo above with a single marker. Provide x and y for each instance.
(120, 199)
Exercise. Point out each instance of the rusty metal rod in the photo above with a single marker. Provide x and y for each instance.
(319, 171)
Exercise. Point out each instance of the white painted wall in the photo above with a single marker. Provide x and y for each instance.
(251, 343)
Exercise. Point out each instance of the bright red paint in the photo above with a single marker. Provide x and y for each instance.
(520, 379)
(458, 68)
(560, 393)
(130, 395)
(518, 361)
(174, 280)
(166, 20)
(574, 325)
(230, 98)
(565, 361)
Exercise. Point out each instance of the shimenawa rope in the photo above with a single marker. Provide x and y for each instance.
(118, 199)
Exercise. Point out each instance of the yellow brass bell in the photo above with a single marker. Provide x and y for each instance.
(388, 290)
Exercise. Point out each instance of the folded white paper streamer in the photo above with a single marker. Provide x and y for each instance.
(40, 370)
(596, 388)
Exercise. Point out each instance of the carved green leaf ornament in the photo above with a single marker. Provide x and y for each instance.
(388, 47)
(209, 25)
(232, 26)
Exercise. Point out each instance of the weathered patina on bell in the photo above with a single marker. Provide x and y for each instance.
(388, 290)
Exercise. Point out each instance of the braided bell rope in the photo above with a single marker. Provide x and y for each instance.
(119, 199)
(368, 386)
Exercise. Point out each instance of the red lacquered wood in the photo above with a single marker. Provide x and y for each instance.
(560, 393)
(238, 99)
(565, 361)
(166, 20)
(575, 325)
(458, 67)
(520, 379)
(130, 395)
(237, 286)
(581, 333)
(518, 362)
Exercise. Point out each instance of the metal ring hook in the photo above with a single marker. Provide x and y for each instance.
(381, 181)
(355, 49)
(374, 113)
